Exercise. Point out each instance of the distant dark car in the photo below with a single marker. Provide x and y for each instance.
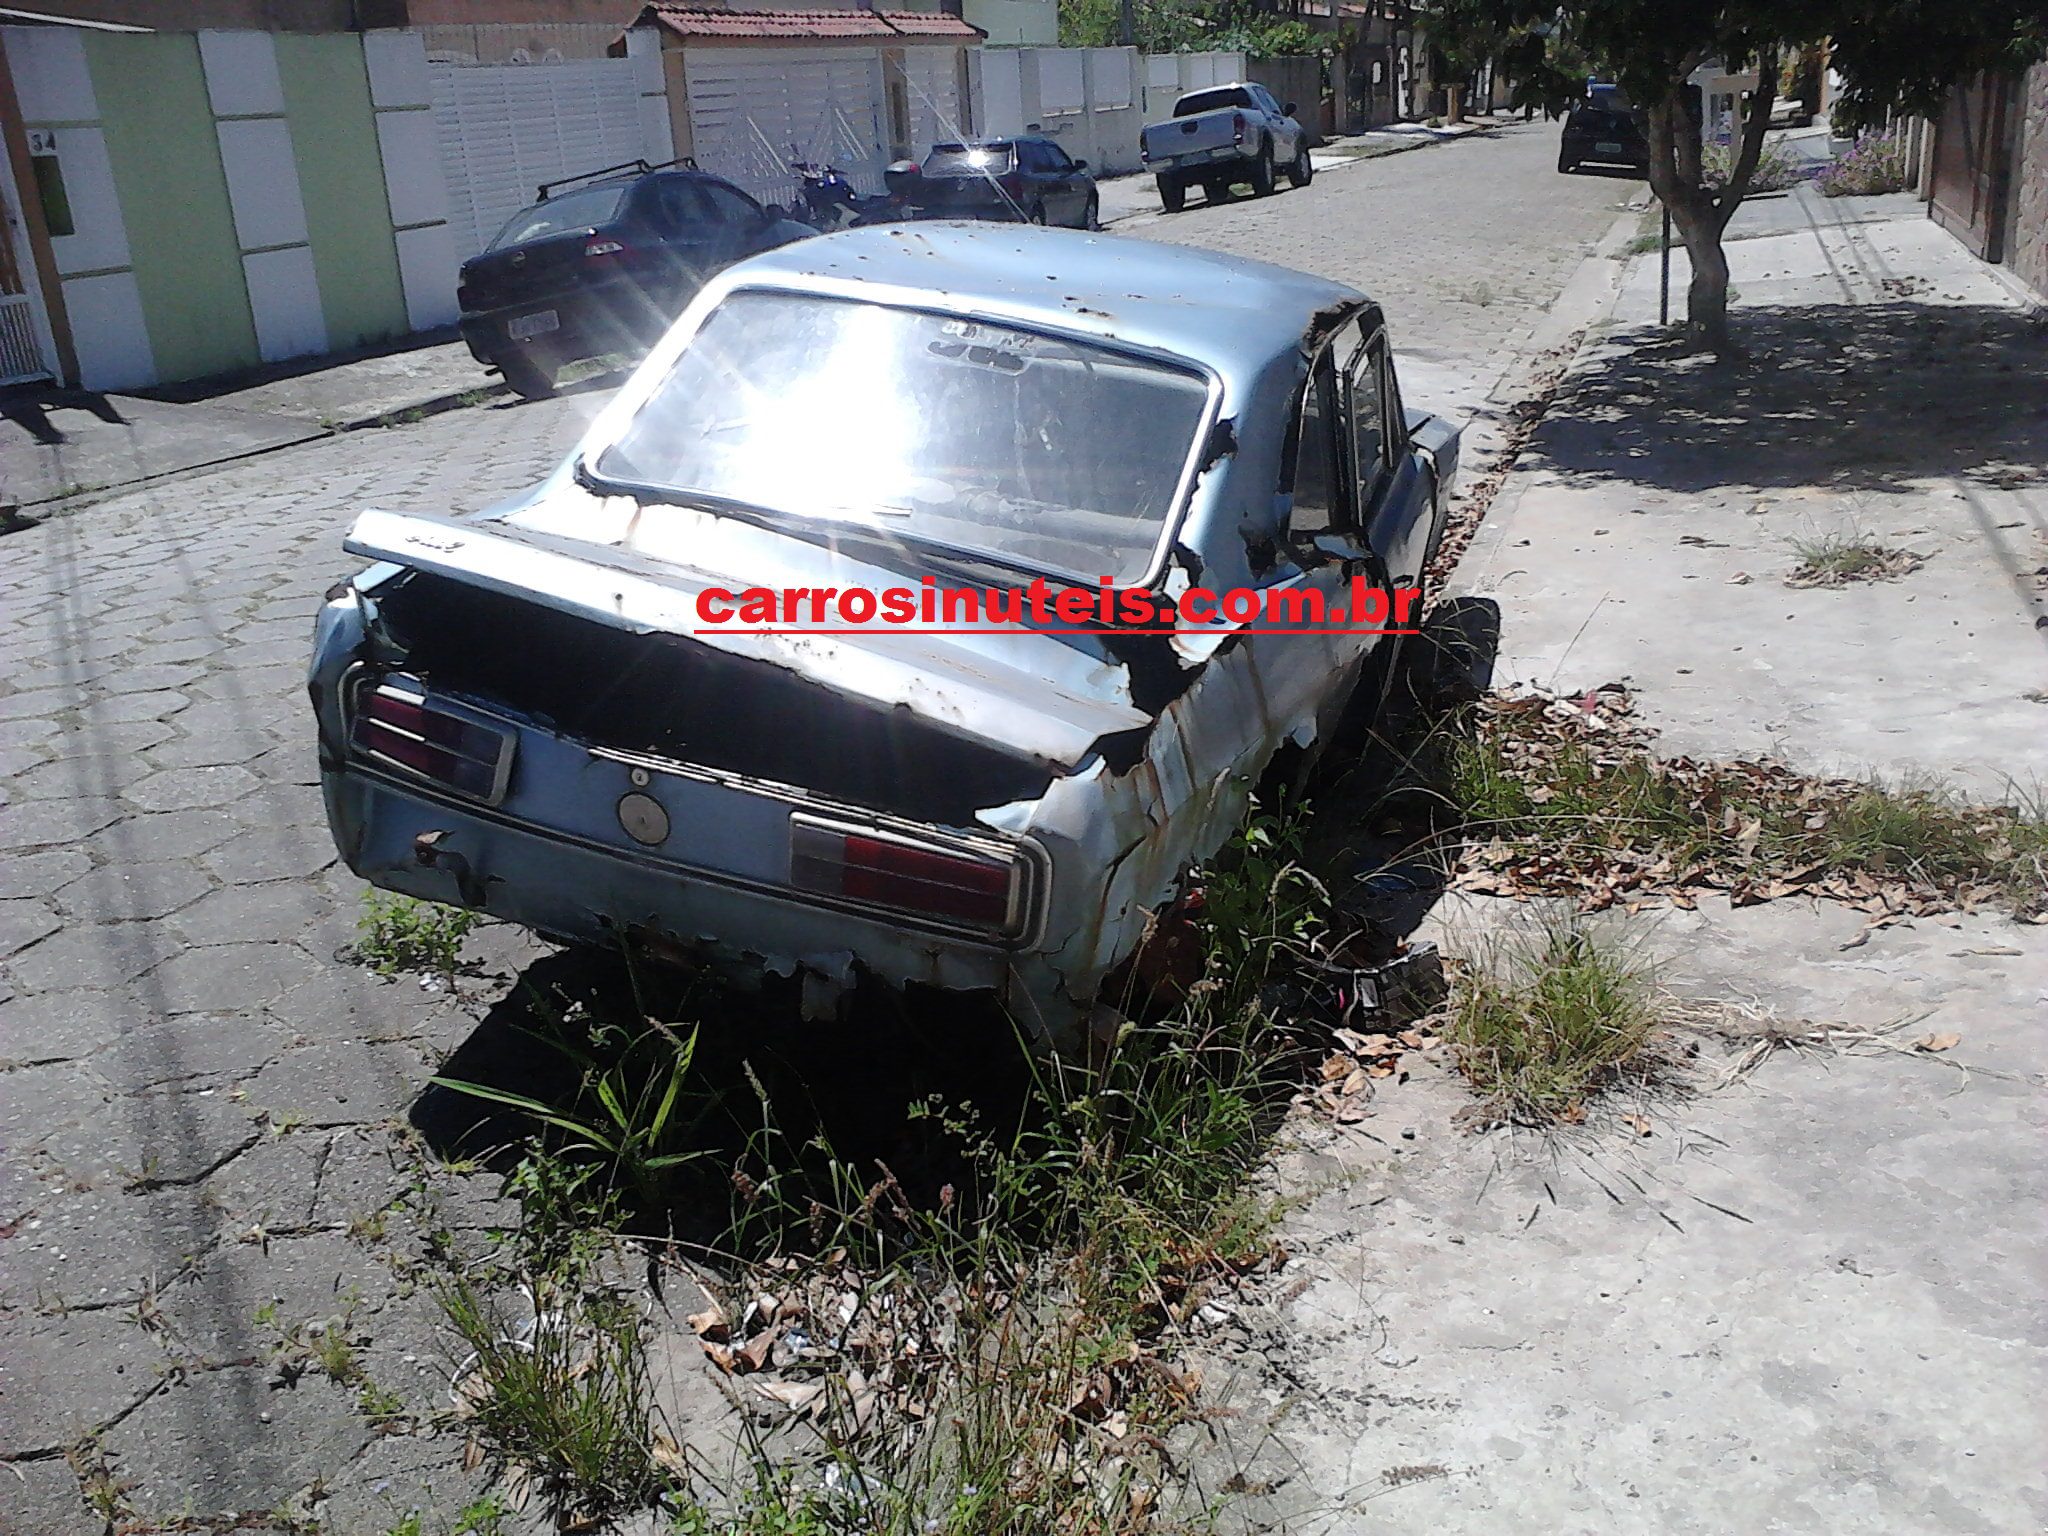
(1603, 129)
(604, 266)
(1015, 180)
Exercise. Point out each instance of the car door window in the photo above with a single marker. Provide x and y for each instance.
(684, 212)
(1056, 159)
(1316, 481)
(729, 206)
(1365, 403)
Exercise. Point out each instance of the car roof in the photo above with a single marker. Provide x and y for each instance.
(630, 179)
(1223, 310)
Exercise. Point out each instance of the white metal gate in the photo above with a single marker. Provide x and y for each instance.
(753, 110)
(932, 78)
(23, 343)
(507, 128)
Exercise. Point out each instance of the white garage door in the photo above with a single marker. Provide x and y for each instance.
(932, 77)
(505, 129)
(753, 110)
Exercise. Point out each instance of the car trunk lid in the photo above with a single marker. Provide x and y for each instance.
(1033, 694)
(535, 270)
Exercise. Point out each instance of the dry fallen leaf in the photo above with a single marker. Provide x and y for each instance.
(1936, 1042)
(710, 1324)
(1636, 1123)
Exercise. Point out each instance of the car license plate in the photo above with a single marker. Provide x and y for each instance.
(536, 324)
(1607, 149)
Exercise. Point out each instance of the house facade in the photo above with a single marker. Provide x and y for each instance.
(186, 203)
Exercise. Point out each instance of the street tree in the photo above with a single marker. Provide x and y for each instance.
(1895, 55)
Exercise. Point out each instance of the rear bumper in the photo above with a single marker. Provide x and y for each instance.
(1587, 150)
(570, 889)
(1197, 159)
(612, 317)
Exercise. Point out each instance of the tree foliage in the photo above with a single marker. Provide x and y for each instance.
(1183, 26)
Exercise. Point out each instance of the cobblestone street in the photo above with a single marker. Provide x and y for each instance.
(200, 1104)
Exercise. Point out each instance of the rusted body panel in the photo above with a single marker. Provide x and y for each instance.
(1132, 759)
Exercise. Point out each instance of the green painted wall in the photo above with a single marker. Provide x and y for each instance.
(174, 201)
(341, 178)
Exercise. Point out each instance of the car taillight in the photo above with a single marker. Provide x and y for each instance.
(1237, 122)
(405, 729)
(878, 869)
(1011, 182)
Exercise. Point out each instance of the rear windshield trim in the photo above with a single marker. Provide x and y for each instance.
(585, 463)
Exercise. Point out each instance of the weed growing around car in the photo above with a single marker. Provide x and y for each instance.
(1563, 796)
(985, 1349)
(1546, 1015)
(400, 934)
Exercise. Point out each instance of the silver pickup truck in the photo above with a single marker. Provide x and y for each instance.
(1224, 135)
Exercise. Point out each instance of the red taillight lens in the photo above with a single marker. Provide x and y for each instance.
(406, 729)
(979, 890)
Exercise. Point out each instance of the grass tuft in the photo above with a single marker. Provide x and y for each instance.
(1837, 559)
(1543, 1018)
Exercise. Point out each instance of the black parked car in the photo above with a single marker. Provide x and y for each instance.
(604, 265)
(1603, 129)
(1014, 180)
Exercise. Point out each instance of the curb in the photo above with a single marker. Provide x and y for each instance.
(437, 405)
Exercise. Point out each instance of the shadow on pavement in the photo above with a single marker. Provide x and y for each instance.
(767, 1089)
(1869, 397)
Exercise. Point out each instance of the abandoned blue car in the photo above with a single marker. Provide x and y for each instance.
(540, 711)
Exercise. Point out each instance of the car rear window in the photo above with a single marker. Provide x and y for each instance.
(1032, 451)
(584, 208)
(1209, 101)
(1607, 98)
(970, 159)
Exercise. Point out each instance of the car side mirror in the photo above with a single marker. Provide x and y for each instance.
(1288, 110)
(1080, 165)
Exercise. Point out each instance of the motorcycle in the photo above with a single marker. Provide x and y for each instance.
(826, 199)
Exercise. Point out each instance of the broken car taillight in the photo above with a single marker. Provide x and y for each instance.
(399, 725)
(1237, 122)
(879, 869)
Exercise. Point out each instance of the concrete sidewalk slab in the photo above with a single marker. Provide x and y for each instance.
(90, 443)
(1893, 397)
(62, 443)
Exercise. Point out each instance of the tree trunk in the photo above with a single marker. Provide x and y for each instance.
(1454, 103)
(1700, 215)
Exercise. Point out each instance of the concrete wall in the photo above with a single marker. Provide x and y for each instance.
(1170, 76)
(1297, 78)
(238, 197)
(2027, 238)
(1090, 101)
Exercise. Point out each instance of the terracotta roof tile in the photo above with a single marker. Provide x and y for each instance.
(704, 21)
